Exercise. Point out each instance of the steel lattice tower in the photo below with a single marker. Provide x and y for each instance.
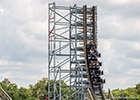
(70, 31)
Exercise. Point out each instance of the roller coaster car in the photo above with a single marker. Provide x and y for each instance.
(93, 59)
(98, 72)
(95, 63)
(104, 81)
(93, 46)
(95, 68)
(89, 46)
(99, 54)
(92, 73)
(98, 81)
(100, 63)
(102, 72)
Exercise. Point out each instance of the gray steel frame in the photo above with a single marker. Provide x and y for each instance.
(63, 63)
(65, 25)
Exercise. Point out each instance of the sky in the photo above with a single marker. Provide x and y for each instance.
(23, 40)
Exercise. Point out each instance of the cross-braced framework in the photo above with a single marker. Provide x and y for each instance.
(69, 67)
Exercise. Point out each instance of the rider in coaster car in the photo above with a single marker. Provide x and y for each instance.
(89, 46)
(92, 53)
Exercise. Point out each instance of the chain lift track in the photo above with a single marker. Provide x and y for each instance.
(71, 29)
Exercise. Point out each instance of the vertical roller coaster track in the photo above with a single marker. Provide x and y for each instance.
(72, 34)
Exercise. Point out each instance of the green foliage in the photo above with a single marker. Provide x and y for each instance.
(24, 93)
(37, 91)
(129, 92)
(64, 90)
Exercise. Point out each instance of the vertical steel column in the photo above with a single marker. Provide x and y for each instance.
(60, 82)
(54, 55)
(48, 52)
(70, 67)
(82, 93)
(76, 67)
(79, 77)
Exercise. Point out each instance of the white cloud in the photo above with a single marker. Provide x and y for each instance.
(23, 41)
(1, 11)
(6, 75)
(134, 72)
(121, 2)
(121, 82)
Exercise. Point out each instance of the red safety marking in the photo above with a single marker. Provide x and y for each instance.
(51, 3)
(51, 31)
(51, 18)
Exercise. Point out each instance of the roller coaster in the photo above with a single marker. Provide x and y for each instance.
(73, 54)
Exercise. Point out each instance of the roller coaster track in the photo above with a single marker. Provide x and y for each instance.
(94, 72)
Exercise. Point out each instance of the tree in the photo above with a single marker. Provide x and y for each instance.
(138, 88)
(10, 88)
(129, 92)
(39, 89)
(6, 81)
(24, 93)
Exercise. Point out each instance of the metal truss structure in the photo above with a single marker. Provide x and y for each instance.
(72, 73)
(4, 95)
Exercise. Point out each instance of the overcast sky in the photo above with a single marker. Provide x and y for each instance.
(23, 40)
